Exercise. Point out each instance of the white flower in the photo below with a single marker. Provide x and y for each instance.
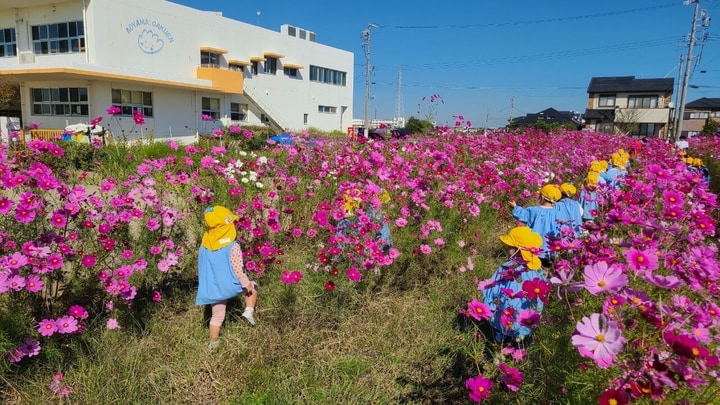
(242, 153)
(259, 185)
(238, 163)
(262, 160)
(244, 173)
(244, 180)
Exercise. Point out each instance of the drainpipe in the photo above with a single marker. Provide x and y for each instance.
(85, 29)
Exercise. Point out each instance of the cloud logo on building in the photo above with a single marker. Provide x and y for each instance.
(149, 42)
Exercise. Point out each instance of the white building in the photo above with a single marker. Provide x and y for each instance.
(76, 58)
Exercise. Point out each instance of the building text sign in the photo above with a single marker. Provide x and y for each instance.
(151, 34)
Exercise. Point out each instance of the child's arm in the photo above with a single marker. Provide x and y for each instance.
(521, 214)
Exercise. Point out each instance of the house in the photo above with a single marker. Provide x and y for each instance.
(549, 116)
(625, 104)
(697, 114)
(76, 58)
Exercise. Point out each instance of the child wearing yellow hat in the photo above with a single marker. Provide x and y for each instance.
(588, 198)
(569, 211)
(221, 272)
(542, 219)
(619, 161)
(505, 295)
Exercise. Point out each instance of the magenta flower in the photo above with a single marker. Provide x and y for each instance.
(425, 249)
(207, 162)
(512, 377)
(153, 224)
(58, 220)
(47, 327)
(156, 296)
(78, 312)
(30, 347)
(601, 278)
(88, 261)
(33, 283)
(479, 388)
(601, 344)
(66, 324)
(138, 117)
(478, 310)
(15, 355)
(16, 282)
(400, 222)
(353, 274)
(113, 110)
(641, 260)
(528, 318)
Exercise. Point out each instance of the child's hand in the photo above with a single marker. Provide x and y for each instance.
(513, 203)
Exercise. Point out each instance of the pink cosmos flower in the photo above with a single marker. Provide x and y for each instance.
(512, 377)
(30, 347)
(153, 224)
(641, 260)
(15, 355)
(113, 110)
(138, 117)
(78, 312)
(601, 278)
(478, 310)
(353, 274)
(207, 162)
(425, 249)
(479, 388)
(536, 289)
(66, 324)
(156, 296)
(33, 283)
(439, 242)
(400, 222)
(172, 144)
(528, 318)
(47, 327)
(599, 343)
(112, 323)
(88, 261)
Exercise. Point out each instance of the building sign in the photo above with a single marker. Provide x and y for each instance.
(151, 35)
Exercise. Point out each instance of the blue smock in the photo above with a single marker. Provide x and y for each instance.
(216, 279)
(542, 220)
(511, 274)
(611, 176)
(589, 204)
(569, 213)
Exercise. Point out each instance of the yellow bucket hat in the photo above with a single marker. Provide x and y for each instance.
(220, 232)
(596, 166)
(617, 160)
(697, 162)
(526, 240)
(551, 192)
(592, 178)
(603, 166)
(568, 189)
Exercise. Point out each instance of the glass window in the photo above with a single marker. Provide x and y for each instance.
(211, 107)
(607, 100)
(238, 111)
(60, 101)
(699, 115)
(292, 72)
(254, 68)
(271, 66)
(327, 109)
(643, 102)
(67, 37)
(8, 45)
(325, 75)
(209, 59)
(130, 101)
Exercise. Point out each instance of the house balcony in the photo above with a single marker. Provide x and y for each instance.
(642, 115)
(224, 80)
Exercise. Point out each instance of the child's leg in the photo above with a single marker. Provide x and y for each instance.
(217, 319)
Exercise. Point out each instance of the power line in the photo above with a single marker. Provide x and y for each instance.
(540, 21)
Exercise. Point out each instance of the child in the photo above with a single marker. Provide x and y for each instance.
(569, 211)
(505, 296)
(588, 199)
(619, 163)
(542, 219)
(221, 273)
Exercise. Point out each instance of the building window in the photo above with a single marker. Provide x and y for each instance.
(271, 65)
(643, 102)
(325, 75)
(8, 44)
(291, 31)
(607, 100)
(302, 34)
(211, 107)
(264, 119)
(327, 109)
(235, 67)
(67, 37)
(130, 101)
(209, 59)
(305, 119)
(60, 101)
(715, 114)
(648, 129)
(312, 37)
(292, 72)
(605, 127)
(699, 115)
(254, 68)
(238, 112)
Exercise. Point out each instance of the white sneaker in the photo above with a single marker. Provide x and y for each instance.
(249, 317)
(213, 345)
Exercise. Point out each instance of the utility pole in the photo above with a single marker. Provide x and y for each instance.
(487, 118)
(512, 109)
(366, 46)
(399, 112)
(686, 76)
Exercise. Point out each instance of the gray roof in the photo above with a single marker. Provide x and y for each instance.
(629, 84)
(704, 104)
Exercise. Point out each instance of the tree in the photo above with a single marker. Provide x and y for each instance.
(710, 127)
(417, 126)
(627, 120)
(9, 93)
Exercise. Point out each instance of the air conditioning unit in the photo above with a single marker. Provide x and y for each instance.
(26, 57)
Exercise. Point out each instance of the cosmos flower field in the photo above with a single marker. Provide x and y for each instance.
(633, 298)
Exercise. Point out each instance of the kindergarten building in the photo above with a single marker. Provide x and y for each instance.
(74, 59)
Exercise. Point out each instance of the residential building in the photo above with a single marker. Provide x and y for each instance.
(549, 116)
(697, 114)
(628, 105)
(175, 64)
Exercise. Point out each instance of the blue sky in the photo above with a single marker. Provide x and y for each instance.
(478, 55)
